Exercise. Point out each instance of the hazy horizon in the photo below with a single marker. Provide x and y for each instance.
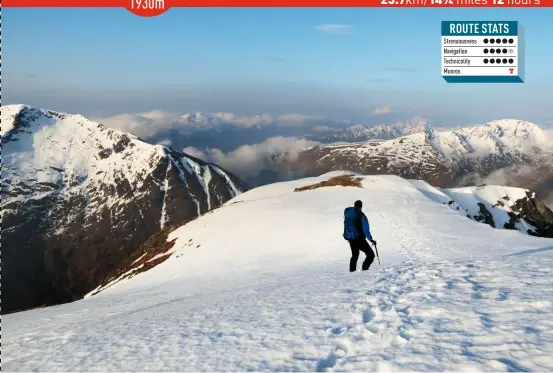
(341, 64)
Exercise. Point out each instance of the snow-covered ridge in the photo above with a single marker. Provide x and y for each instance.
(78, 185)
(271, 222)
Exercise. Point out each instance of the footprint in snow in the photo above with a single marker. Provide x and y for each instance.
(406, 334)
(340, 351)
(369, 314)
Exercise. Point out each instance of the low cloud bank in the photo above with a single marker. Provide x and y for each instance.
(155, 122)
(249, 161)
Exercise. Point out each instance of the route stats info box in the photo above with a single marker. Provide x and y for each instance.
(482, 52)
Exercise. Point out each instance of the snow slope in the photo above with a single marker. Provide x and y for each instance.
(262, 284)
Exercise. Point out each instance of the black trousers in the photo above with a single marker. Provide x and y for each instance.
(356, 247)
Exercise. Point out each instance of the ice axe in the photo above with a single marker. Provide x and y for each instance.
(378, 256)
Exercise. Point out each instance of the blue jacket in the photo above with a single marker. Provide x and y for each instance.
(366, 227)
(356, 225)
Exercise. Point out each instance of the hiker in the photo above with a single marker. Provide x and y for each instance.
(356, 232)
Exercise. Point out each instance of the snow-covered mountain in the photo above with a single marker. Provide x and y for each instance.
(443, 158)
(262, 284)
(78, 198)
(358, 133)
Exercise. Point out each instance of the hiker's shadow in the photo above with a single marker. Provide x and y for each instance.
(534, 251)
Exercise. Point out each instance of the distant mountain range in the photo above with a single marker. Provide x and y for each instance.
(78, 198)
(358, 133)
(443, 158)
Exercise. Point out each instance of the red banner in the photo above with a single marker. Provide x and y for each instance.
(150, 8)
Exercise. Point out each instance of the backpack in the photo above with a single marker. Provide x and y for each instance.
(352, 218)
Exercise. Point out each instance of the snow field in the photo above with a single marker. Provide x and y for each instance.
(261, 284)
(419, 316)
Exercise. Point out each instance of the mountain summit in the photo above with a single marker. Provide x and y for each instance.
(78, 198)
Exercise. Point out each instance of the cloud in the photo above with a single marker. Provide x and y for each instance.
(197, 153)
(248, 161)
(385, 110)
(166, 142)
(322, 128)
(335, 29)
(395, 68)
(509, 176)
(296, 119)
(155, 122)
(143, 125)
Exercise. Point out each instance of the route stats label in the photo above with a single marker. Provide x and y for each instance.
(482, 52)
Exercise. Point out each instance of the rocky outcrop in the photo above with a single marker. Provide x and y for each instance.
(501, 207)
(536, 213)
(484, 216)
(79, 200)
(343, 180)
(529, 210)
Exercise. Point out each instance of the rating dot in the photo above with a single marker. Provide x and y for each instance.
(485, 41)
(504, 60)
(486, 51)
(498, 41)
(498, 60)
(504, 50)
(511, 60)
(492, 51)
(511, 51)
(504, 41)
(498, 51)
(511, 41)
(492, 61)
(492, 41)
(486, 60)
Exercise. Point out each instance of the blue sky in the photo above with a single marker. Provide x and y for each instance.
(247, 61)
